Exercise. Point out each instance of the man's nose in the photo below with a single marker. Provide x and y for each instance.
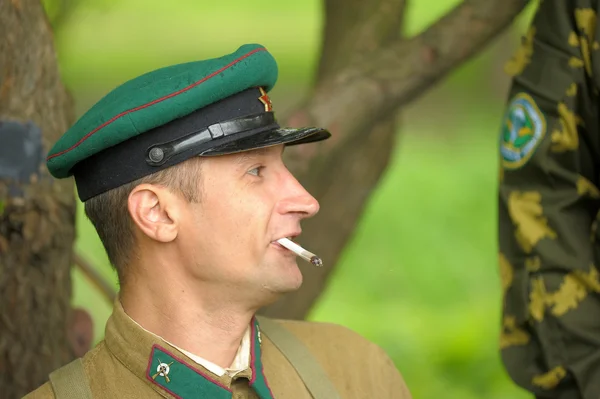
(296, 199)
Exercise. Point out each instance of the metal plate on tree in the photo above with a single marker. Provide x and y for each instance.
(21, 152)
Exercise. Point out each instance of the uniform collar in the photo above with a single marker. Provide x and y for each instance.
(168, 369)
(240, 363)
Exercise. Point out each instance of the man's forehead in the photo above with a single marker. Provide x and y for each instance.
(242, 157)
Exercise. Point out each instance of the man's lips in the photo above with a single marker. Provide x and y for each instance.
(283, 251)
(279, 246)
(302, 252)
(289, 237)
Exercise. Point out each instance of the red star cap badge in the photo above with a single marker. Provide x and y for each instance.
(264, 98)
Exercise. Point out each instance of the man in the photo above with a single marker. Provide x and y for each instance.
(549, 203)
(181, 173)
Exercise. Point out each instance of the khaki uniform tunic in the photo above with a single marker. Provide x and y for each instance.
(127, 364)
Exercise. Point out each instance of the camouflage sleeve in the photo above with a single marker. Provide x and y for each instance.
(548, 205)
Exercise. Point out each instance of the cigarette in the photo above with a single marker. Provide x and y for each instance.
(303, 253)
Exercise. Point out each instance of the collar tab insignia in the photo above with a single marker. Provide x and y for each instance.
(163, 370)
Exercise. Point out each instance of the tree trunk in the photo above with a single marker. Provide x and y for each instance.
(37, 213)
(353, 30)
(366, 74)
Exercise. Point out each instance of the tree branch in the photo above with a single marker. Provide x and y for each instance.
(407, 69)
(358, 104)
(105, 288)
(403, 70)
(353, 29)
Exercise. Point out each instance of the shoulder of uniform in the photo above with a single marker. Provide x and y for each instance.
(314, 326)
(335, 346)
(43, 392)
(315, 333)
(46, 392)
(90, 356)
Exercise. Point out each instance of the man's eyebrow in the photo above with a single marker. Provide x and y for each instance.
(242, 158)
(246, 156)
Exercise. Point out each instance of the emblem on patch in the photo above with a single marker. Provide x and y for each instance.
(163, 370)
(264, 98)
(523, 128)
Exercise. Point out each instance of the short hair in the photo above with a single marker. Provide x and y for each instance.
(110, 216)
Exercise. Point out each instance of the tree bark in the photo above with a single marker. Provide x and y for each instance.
(37, 216)
(365, 76)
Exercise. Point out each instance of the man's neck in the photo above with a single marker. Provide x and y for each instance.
(212, 331)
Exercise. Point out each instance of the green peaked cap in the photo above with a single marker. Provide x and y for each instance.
(157, 98)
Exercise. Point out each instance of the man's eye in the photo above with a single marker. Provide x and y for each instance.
(256, 171)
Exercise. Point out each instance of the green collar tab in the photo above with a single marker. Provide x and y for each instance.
(182, 380)
(259, 381)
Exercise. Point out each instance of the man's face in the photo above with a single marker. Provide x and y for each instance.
(249, 200)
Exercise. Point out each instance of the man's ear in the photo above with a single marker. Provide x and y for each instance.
(155, 211)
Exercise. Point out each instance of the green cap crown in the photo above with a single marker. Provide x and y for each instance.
(158, 97)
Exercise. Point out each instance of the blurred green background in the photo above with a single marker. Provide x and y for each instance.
(420, 275)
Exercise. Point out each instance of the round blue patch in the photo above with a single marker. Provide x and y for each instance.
(523, 128)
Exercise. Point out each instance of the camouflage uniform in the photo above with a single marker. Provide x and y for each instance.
(548, 205)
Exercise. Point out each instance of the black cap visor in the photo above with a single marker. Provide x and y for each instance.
(236, 135)
(287, 136)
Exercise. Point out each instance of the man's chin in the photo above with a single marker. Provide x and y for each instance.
(284, 284)
(280, 278)
(293, 279)
(287, 285)
(276, 292)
